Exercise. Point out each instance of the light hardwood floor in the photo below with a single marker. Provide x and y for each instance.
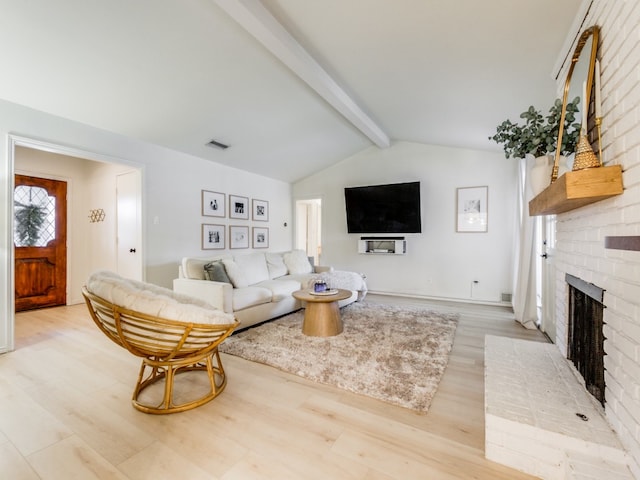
(65, 413)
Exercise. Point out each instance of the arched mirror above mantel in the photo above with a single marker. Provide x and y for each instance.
(581, 71)
(583, 185)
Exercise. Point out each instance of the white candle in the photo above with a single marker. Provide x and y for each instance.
(598, 99)
(584, 109)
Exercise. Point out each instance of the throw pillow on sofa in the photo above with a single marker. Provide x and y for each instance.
(216, 272)
(275, 264)
(297, 262)
(245, 270)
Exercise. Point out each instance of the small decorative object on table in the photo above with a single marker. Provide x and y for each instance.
(319, 286)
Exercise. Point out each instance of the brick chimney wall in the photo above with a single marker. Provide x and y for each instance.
(581, 232)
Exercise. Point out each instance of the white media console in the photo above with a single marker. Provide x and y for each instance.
(382, 245)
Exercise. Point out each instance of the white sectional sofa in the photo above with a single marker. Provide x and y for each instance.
(257, 286)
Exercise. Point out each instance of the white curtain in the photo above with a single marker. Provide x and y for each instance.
(524, 281)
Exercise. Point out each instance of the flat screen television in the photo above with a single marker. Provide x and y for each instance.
(392, 208)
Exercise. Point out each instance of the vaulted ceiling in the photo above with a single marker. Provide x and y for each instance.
(292, 86)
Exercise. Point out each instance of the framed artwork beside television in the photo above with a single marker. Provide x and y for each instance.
(260, 237)
(260, 210)
(238, 207)
(238, 236)
(213, 204)
(212, 237)
(471, 209)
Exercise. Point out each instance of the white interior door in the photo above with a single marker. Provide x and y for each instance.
(547, 312)
(129, 225)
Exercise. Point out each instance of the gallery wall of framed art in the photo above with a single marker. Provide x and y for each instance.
(219, 236)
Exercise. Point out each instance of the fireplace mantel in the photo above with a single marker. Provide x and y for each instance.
(577, 189)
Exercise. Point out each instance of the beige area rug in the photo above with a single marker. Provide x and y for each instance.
(391, 353)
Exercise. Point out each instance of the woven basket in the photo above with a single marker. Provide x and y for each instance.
(585, 158)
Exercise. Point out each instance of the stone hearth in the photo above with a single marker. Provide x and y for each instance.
(540, 419)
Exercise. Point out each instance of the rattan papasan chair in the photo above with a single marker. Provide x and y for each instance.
(173, 334)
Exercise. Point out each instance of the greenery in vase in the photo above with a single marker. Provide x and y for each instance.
(29, 220)
(539, 134)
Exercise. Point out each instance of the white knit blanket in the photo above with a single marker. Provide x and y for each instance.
(343, 279)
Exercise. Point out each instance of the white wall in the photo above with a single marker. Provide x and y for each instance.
(173, 193)
(581, 232)
(439, 262)
(172, 183)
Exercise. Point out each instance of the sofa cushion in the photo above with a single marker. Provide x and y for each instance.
(245, 270)
(297, 262)
(280, 289)
(275, 264)
(246, 297)
(216, 272)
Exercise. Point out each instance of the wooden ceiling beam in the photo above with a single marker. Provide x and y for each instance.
(258, 21)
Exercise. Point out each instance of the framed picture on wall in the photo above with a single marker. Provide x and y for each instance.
(260, 237)
(238, 236)
(260, 210)
(213, 204)
(212, 236)
(238, 207)
(471, 209)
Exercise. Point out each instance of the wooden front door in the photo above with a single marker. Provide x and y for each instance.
(40, 239)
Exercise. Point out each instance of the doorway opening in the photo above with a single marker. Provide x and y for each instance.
(309, 228)
(545, 275)
(91, 216)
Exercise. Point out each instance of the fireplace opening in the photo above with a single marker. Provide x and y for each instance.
(585, 337)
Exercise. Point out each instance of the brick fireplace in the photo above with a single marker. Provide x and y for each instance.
(583, 252)
(585, 336)
(581, 248)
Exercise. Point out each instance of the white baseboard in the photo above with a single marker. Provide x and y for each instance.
(472, 301)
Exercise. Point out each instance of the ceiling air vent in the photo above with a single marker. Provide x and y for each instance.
(219, 145)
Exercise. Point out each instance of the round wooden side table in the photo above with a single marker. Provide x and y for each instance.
(321, 313)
